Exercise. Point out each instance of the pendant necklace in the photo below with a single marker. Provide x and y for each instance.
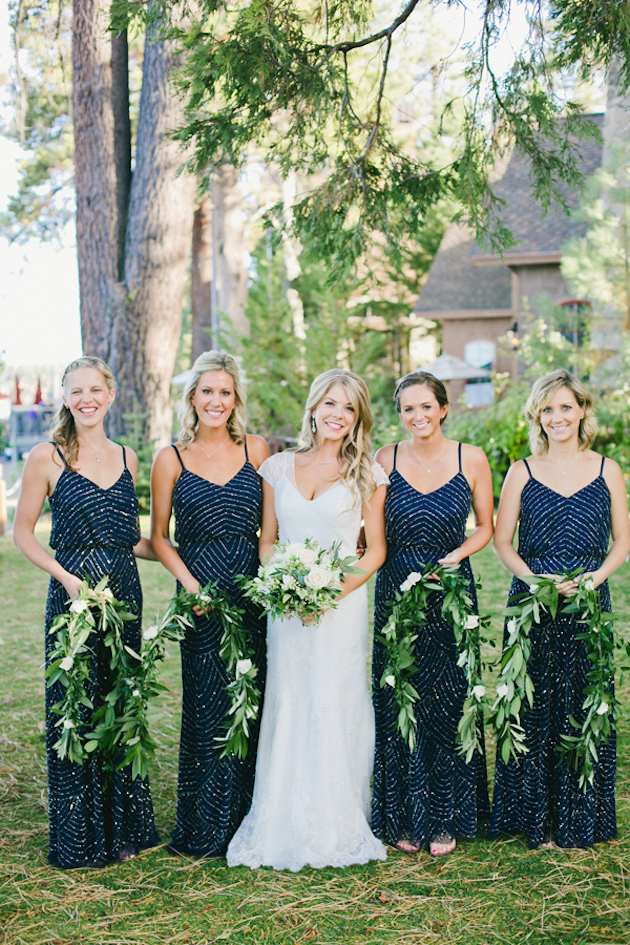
(215, 450)
(569, 464)
(434, 463)
(96, 454)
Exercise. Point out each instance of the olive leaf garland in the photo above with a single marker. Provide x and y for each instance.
(515, 688)
(409, 611)
(119, 726)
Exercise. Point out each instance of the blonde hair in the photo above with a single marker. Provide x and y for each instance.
(356, 448)
(212, 361)
(63, 432)
(542, 395)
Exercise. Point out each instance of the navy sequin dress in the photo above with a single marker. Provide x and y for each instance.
(94, 815)
(215, 529)
(431, 791)
(540, 796)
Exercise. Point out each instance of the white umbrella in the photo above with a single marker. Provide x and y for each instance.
(449, 368)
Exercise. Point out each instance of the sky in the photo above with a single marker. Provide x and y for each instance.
(39, 291)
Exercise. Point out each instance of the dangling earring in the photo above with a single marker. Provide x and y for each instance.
(313, 424)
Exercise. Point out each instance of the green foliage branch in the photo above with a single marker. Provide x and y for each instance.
(515, 689)
(411, 609)
(118, 728)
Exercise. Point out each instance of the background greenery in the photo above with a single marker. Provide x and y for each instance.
(486, 892)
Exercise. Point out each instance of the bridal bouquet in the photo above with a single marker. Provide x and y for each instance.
(300, 579)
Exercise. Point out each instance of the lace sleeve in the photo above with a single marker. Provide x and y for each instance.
(276, 466)
(380, 476)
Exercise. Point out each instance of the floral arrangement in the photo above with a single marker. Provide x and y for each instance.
(300, 579)
(118, 728)
(409, 611)
(515, 687)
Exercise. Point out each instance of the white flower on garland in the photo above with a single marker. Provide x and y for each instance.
(533, 588)
(589, 584)
(478, 692)
(150, 633)
(68, 723)
(66, 663)
(410, 580)
(472, 621)
(79, 606)
(603, 708)
(391, 681)
(511, 625)
(502, 690)
(243, 667)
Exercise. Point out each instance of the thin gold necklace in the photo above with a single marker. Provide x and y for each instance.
(569, 464)
(433, 464)
(96, 454)
(216, 450)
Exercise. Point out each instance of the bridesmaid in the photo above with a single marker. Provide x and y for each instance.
(428, 796)
(95, 816)
(567, 502)
(209, 481)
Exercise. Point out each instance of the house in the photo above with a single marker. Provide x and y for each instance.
(479, 298)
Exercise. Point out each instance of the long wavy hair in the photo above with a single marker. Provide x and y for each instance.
(542, 395)
(356, 448)
(189, 421)
(63, 432)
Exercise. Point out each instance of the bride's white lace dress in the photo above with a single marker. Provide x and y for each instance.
(312, 791)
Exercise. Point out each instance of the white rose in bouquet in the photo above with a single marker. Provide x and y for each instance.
(318, 577)
(308, 557)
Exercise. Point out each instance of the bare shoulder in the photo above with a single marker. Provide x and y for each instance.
(44, 457)
(611, 471)
(474, 456)
(166, 460)
(257, 449)
(517, 475)
(385, 456)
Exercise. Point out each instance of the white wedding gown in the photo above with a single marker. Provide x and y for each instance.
(312, 790)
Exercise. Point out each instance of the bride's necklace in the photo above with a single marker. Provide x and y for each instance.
(95, 453)
(435, 461)
(328, 462)
(564, 469)
(215, 450)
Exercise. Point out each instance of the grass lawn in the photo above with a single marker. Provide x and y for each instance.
(486, 892)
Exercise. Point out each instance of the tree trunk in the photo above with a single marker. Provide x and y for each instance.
(201, 279)
(134, 321)
(219, 277)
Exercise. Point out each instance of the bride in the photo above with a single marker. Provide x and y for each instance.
(311, 794)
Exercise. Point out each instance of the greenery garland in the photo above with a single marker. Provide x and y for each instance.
(515, 687)
(120, 724)
(408, 613)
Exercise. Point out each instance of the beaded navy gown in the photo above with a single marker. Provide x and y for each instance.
(540, 796)
(430, 791)
(216, 533)
(95, 816)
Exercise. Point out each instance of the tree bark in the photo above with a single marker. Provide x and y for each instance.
(201, 279)
(131, 318)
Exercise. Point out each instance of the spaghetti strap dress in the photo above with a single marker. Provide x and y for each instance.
(430, 791)
(540, 796)
(216, 533)
(95, 816)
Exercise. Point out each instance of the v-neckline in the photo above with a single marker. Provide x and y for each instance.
(315, 497)
(433, 491)
(560, 494)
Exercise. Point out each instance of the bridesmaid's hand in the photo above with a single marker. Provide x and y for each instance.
(452, 558)
(72, 584)
(192, 587)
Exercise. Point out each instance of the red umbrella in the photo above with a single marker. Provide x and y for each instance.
(18, 395)
(38, 393)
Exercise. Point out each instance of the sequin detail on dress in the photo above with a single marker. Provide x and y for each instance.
(431, 791)
(216, 533)
(94, 817)
(540, 796)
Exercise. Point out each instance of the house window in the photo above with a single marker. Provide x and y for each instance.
(572, 320)
(479, 390)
